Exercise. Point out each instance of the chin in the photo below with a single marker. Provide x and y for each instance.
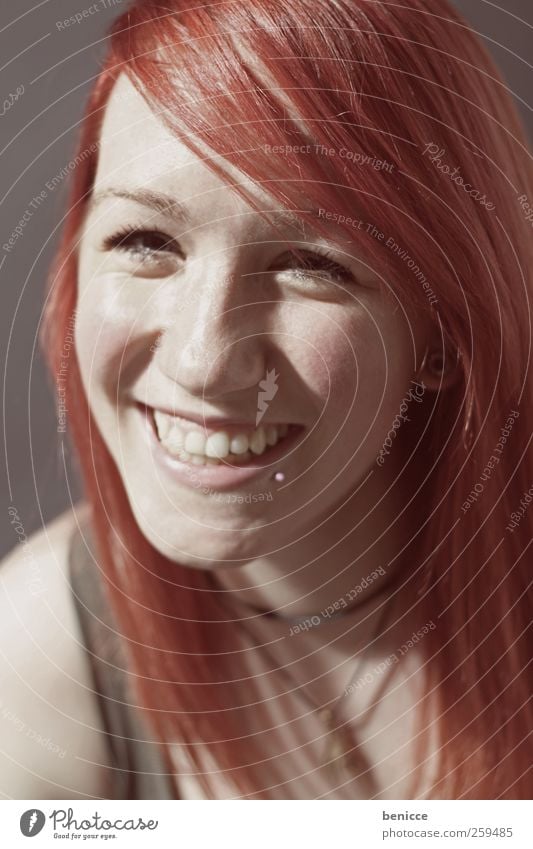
(200, 546)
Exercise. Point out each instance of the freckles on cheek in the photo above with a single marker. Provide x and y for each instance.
(354, 370)
(335, 362)
(104, 332)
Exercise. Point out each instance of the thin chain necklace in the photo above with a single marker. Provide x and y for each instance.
(302, 617)
(306, 618)
(343, 755)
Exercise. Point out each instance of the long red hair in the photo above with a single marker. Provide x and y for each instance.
(385, 81)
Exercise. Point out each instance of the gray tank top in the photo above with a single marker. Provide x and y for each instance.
(138, 765)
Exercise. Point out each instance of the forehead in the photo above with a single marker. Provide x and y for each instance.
(134, 136)
(137, 150)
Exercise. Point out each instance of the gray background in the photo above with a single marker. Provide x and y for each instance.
(37, 140)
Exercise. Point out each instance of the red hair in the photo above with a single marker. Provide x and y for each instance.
(385, 80)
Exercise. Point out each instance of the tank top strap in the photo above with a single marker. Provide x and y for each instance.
(138, 768)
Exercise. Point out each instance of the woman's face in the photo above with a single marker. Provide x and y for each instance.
(213, 358)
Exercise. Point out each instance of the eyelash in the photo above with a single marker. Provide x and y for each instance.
(124, 238)
(321, 260)
(316, 261)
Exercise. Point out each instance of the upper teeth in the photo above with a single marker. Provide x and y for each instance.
(194, 445)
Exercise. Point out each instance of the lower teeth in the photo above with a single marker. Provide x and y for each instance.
(201, 460)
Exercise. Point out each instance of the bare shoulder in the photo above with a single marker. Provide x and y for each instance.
(51, 741)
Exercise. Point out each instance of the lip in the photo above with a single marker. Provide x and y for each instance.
(222, 477)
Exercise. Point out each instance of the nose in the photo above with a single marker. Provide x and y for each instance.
(215, 342)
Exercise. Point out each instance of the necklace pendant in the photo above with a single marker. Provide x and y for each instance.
(339, 742)
(341, 751)
(345, 758)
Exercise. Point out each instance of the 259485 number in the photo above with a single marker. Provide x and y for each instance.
(491, 832)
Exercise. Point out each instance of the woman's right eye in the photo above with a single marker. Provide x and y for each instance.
(150, 252)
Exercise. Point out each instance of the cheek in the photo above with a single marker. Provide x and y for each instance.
(357, 364)
(106, 331)
(343, 352)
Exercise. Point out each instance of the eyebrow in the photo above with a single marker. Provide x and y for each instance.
(158, 201)
(165, 204)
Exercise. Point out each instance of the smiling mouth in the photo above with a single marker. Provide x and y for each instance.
(188, 442)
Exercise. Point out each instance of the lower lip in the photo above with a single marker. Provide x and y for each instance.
(220, 477)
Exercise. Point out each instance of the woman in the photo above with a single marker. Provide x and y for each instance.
(298, 272)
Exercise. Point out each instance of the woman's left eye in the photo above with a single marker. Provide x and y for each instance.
(316, 266)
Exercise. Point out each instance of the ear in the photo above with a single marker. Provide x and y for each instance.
(440, 369)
